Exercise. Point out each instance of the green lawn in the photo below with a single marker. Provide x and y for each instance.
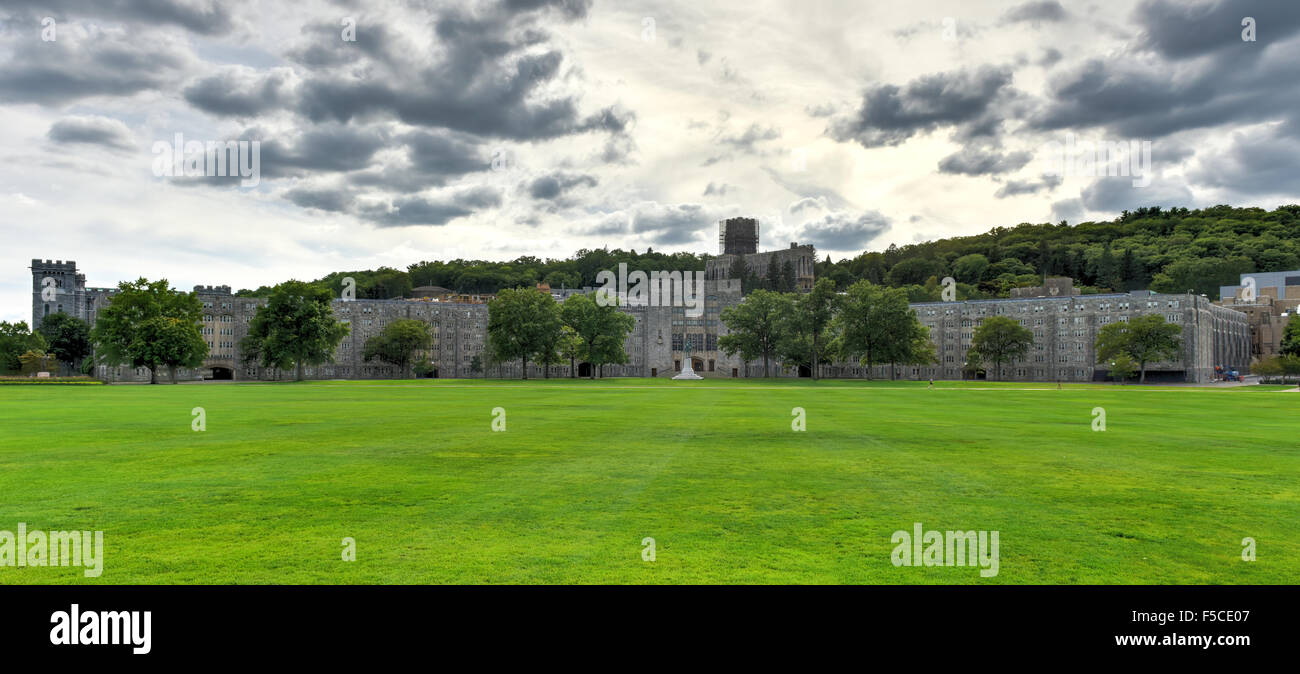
(711, 470)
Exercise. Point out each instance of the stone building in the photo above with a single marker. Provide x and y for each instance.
(1064, 324)
(1065, 327)
(802, 259)
(1269, 300)
(459, 329)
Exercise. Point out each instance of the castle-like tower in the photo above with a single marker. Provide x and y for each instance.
(57, 287)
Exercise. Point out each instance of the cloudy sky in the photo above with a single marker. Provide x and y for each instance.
(499, 128)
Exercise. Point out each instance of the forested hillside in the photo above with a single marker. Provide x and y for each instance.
(1164, 250)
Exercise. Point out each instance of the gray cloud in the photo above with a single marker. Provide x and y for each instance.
(431, 210)
(842, 231)
(1017, 187)
(1113, 194)
(100, 64)
(975, 161)
(205, 17)
(1037, 11)
(890, 115)
(553, 186)
(239, 91)
(91, 130)
(1182, 30)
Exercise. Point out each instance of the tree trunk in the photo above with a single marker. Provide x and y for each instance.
(299, 370)
(547, 369)
(765, 371)
(573, 369)
(153, 374)
(525, 359)
(1143, 366)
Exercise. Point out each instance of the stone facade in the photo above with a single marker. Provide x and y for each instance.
(1064, 323)
(459, 330)
(1065, 331)
(802, 258)
(1268, 306)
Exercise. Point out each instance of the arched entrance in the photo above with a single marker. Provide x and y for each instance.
(584, 369)
(805, 371)
(222, 374)
(697, 364)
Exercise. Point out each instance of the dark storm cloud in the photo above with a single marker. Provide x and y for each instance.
(1162, 88)
(324, 199)
(100, 64)
(205, 17)
(101, 131)
(890, 115)
(239, 92)
(432, 211)
(1177, 29)
(333, 148)
(843, 231)
(1259, 162)
(975, 161)
(485, 80)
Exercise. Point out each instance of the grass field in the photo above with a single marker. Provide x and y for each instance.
(711, 470)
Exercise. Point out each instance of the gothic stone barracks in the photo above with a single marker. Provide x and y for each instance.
(1064, 324)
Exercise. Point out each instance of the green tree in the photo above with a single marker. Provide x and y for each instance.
(1145, 339)
(773, 280)
(875, 325)
(35, 361)
(809, 319)
(570, 348)
(970, 268)
(601, 327)
(1291, 336)
(399, 342)
(149, 324)
(15, 340)
(788, 281)
(171, 342)
(68, 338)
(1000, 340)
(1122, 367)
(1108, 270)
(754, 327)
(297, 326)
(521, 323)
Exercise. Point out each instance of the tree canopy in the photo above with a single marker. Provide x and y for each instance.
(150, 324)
(1145, 339)
(296, 327)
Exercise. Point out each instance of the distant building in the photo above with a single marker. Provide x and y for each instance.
(738, 236)
(1065, 326)
(1064, 322)
(1269, 300)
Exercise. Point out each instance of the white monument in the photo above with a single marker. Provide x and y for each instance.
(687, 372)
